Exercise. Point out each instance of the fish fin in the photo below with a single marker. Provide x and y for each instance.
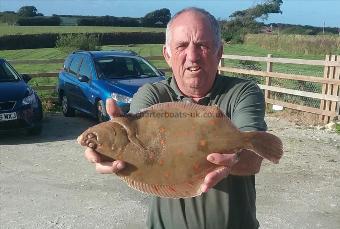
(185, 190)
(265, 145)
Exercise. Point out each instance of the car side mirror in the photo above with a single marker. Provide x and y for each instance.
(26, 77)
(82, 78)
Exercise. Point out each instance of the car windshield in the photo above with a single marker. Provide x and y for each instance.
(114, 67)
(7, 73)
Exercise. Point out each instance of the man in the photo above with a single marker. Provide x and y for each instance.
(193, 49)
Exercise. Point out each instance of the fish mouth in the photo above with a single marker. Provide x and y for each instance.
(89, 140)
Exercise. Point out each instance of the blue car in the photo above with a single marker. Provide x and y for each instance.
(20, 106)
(88, 78)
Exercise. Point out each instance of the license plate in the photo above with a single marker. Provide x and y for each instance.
(8, 116)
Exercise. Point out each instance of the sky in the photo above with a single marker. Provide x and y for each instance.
(301, 12)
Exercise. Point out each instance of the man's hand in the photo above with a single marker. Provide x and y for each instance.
(104, 164)
(242, 163)
(225, 160)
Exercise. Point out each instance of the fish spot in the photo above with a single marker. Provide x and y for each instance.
(196, 167)
(179, 153)
(167, 174)
(161, 162)
(203, 142)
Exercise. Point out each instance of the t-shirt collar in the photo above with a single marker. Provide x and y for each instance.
(183, 98)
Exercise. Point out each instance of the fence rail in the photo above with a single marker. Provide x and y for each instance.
(328, 97)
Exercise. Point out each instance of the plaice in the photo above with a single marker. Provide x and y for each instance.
(165, 146)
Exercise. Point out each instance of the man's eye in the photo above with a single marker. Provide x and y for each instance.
(203, 46)
(180, 47)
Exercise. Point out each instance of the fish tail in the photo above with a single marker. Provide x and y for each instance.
(265, 145)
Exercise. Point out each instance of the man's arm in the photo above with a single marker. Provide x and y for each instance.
(248, 115)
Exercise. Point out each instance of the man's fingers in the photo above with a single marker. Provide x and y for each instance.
(212, 178)
(224, 159)
(112, 108)
(110, 167)
(92, 156)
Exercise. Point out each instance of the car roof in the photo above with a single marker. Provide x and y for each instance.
(99, 54)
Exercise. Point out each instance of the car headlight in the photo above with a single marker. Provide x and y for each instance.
(30, 98)
(121, 98)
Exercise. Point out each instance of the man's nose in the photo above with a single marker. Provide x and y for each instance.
(193, 53)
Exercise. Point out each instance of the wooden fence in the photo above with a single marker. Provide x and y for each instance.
(329, 96)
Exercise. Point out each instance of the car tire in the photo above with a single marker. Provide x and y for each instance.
(101, 112)
(36, 130)
(65, 107)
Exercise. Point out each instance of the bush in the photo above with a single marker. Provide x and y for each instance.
(70, 42)
(39, 21)
(28, 41)
(48, 40)
(109, 21)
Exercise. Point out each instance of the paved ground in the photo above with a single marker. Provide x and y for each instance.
(46, 183)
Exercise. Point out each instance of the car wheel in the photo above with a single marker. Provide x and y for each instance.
(36, 130)
(65, 107)
(101, 112)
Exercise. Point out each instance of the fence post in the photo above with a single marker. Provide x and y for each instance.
(268, 78)
(336, 88)
(220, 65)
(330, 72)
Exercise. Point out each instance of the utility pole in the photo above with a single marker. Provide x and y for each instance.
(323, 28)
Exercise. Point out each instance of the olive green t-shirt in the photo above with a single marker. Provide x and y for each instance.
(231, 203)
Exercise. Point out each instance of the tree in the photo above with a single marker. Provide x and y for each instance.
(28, 11)
(244, 21)
(157, 18)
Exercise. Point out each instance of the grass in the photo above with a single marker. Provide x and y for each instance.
(12, 30)
(305, 44)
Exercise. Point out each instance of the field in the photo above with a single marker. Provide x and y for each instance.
(11, 30)
(155, 50)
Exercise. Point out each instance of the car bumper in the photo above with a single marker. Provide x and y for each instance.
(27, 117)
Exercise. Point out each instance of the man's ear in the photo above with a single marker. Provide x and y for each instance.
(166, 55)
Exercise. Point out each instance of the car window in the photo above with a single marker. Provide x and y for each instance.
(145, 69)
(7, 73)
(123, 67)
(68, 62)
(74, 67)
(85, 68)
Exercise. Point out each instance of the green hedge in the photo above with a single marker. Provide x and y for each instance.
(48, 40)
(39, 21)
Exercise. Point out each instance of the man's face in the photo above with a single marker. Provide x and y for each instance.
(193, 56)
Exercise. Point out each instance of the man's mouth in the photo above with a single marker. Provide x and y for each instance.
(194, 69)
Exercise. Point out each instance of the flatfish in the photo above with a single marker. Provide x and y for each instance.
(165, 146)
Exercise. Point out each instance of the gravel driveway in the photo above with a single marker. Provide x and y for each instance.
(45, 182)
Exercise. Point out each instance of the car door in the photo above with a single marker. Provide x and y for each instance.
(86, 97)
(71, 82)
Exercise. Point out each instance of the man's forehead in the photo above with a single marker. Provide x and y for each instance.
(185, 33)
